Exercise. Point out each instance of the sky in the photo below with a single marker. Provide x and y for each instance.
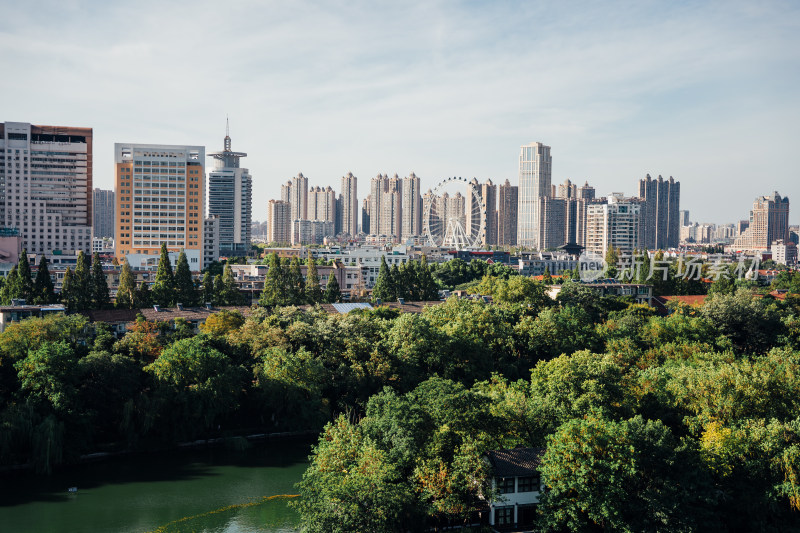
(706, 92)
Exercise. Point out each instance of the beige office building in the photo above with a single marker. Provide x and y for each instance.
(160, 199)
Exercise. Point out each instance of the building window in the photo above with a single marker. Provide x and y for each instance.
(504, 516)
(528, 484)
(505, 485)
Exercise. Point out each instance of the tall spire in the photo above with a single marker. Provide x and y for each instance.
(227, 135)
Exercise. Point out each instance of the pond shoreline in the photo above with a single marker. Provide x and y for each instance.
(200, 443)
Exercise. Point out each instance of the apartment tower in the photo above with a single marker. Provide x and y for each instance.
(660, 213)
(349, 205)
(46, 181)
(279, 221)
(412, 207)
(507, 206)
(613, 223)
(160, 191)
(769, 222)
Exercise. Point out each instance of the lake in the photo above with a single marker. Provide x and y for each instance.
(198, 490)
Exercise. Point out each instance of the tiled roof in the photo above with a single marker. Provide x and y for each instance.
(689, 299)
(164, 314)
(515, 462)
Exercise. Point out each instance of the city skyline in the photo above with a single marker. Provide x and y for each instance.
(703, 92)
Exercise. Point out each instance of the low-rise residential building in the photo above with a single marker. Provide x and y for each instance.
(517, 484)
(19, 310)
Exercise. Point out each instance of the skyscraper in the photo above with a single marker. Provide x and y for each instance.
(349, 205)
(660, 221)
(46, 180)
(507, 214)
(535, 171)
(230, 198)
(412, 207)
(160, 191)
(103, 219)
(769, 222)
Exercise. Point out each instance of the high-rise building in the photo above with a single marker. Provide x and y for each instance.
(230, 197)
(486, 196)
(769, 222)
(377, 188)
(535, 171)
(684, 218)
(386, 206)
(160, 191)
(613, 223)
(296, 193)
(366, 216)
(489, 195)
(46, 184)
(507, 214)
(586, 192)
(279, 221)
(412, 207)
(210, 240)
(103, 219)
(660, 224)
(349, 205)
(321, 204)
(392, 210)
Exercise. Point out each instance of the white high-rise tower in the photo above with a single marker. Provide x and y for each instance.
(535, 172)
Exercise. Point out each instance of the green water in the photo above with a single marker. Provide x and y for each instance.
(208, 490)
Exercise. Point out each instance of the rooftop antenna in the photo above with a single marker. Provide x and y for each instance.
(227, 135)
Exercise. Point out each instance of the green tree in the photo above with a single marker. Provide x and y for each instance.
(164, 285)
(629, 476)
(547, 278)
(612, 258)
(385, 288)
(428, 291)
(82, 283)
(100, 297)
(185, 292)
(222, 323)
(275, 291)
(332, 291)
(230, 290)
(24, 277)
(219, 290)
(313, 290)
(351, 486)
(208, 288)
(197, 386)
(144, 297)
(126, 293)
(43, 290)
(69, 289)
(12, 288)
(295, 284)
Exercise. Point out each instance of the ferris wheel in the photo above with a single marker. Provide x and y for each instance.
(454, 214)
